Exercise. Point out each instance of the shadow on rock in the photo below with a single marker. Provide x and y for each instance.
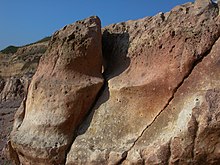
(115, 49)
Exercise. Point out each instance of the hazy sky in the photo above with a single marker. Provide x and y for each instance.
(26, 21)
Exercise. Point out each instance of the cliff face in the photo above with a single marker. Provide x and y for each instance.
(148, 63)
(159, 103)
(18, 68)
(16, 71)
(61, 92)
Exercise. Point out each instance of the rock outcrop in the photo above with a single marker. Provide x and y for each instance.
(16, 71)
(159, 103)
(61, 93)
(147, 61)
(188, 129)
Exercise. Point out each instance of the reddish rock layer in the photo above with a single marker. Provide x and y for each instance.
(147, 62)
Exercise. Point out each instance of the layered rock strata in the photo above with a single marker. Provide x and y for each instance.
(16, 71)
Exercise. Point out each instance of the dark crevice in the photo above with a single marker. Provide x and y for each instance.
(195, 63)
(124, 157)
(109, 42)
(13, 154)
(87, 116)
(69, 147)
(169, 153)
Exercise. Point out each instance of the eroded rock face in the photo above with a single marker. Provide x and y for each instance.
(146, 62)
(201, 4)
(188, 130)
(160, 100)
(60, 94)
(13, 88)
(16, 71)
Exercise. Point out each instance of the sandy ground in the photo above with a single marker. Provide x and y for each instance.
(7, 111)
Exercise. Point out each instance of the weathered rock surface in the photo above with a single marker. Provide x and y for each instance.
(60, 94)
(201, 4)
(159, 104)
(147, 62)
(16, 71)
(188, 130)
(13, 88)
(24, 61)
(7, 111)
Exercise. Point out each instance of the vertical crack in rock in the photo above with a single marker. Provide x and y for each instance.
(124, 156)
(12, 154)
(61, 93)
(195, 63)
(20, 113)
(169, 152)
(195, 132)
(84, 93)
(87, 115)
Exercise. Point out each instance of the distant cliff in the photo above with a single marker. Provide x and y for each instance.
(17, 66)
(138, 92)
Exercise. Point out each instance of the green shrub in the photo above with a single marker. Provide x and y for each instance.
(10, 49)
(13, 49)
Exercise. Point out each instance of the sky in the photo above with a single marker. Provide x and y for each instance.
(26, 21)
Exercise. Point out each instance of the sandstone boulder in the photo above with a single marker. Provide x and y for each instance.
(146, 62)
(61, 93)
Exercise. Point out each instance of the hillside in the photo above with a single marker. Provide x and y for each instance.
(17, 67)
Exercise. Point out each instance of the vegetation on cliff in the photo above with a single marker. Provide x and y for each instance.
(13, 49)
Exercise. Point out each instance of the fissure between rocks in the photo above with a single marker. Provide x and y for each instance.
(24, 101)
(87, 115)
(169, 153)
(195, 63)
(194, 135)
(21, 118)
